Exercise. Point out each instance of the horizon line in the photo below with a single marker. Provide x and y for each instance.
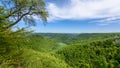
(75, 33)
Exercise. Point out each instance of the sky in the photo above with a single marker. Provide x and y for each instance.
(81, 16)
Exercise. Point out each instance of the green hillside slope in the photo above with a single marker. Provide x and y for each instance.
(61, 51)
(100, 54)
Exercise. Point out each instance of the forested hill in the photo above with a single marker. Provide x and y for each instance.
(99, 54)
(95, 50)
(75, 35)
(73, 38)
(54, 50)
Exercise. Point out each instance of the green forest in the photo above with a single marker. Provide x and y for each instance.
(55, 50)
(23, 48)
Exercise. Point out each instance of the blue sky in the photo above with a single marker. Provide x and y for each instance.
(81, 16)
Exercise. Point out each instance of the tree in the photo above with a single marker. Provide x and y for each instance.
(17, 10)
(11, 13)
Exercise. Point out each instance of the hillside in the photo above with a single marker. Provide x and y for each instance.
(99, 54)
(48, 50)
(74, 38)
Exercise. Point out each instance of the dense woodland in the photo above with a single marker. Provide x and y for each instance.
(55, 50)
(20, 48)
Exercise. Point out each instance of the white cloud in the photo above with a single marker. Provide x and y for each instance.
(108, 21)
(85, 9)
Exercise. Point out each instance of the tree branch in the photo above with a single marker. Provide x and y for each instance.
(17, 20)
(13, 13)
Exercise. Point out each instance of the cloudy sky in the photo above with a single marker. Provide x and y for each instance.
(81, 16)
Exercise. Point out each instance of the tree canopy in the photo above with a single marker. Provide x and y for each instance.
(25, 10)
(12, 12)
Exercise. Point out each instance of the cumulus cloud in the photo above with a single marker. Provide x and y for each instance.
(85, 9)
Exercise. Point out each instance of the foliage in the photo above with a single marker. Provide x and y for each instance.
(33, 59)
(26, 10)
(21, 49)
(39, 51)
(40, 43)
(75, 38)
(100, 54)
